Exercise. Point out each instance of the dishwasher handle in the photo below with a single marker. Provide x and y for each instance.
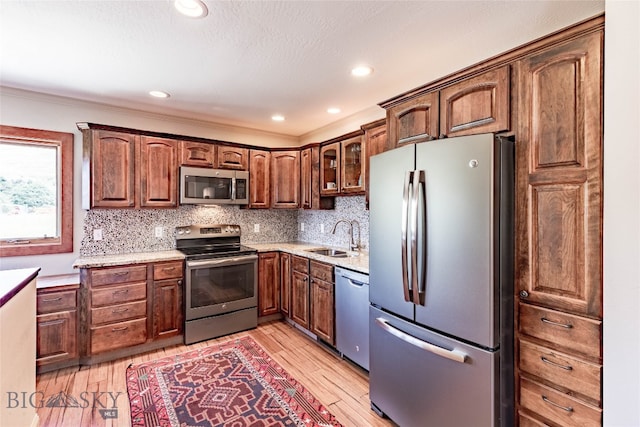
(356, 283)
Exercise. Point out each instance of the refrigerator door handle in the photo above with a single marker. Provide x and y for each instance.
(455, 355)
(404, 237)
(418, 280)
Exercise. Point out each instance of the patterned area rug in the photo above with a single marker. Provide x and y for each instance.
(231, 384)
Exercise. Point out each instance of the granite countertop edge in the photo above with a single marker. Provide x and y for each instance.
(13, 281)
(358, 263)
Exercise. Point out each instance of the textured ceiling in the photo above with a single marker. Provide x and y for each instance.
(250, 59)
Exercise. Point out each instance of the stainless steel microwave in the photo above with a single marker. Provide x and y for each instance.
(202, 186)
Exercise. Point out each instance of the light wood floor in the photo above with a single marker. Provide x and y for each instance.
(341, 387)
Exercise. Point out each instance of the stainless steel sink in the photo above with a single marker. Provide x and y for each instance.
(336, 253)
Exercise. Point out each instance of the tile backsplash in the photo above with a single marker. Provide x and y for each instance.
(133, 230)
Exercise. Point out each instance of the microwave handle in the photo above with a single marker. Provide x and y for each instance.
(233, 188)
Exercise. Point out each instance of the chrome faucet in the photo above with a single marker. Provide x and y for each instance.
(353, 246)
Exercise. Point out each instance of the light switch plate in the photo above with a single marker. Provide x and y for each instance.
(97, 234)
(256, 228)
(159, 231)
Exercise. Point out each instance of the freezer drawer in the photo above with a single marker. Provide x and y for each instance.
(416, 387)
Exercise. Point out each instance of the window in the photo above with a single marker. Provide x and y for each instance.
(36, 192)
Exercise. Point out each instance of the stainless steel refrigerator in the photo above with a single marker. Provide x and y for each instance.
(441, 283)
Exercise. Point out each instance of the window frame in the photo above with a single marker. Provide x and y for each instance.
(64, 242)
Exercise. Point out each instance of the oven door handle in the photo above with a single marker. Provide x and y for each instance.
(222, 261)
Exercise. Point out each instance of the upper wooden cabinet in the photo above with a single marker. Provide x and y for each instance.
(259, 179)
(310, 181)
(559, 178)
(199, 154)
(285, 179)
(122, 170)
(414, 120)
(230, 157)
(352, 165)
(330, 169)
(476, 105)
(158, 172)
(375, 142)
(108, 169)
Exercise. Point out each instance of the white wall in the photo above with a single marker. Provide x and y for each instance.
(33, 110)
(621, 377)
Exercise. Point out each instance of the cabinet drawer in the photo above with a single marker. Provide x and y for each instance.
(118, 335)
(118, 294)
(322, 271)
(575, 333)
(167, 270)
(118, 313)
(525, 420)
(557, 407)
(112, 276)
(562, 369)
(56, 301)
(300, 264)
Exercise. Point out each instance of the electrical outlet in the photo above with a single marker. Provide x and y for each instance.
(159, 231)
(97, 234)
(256, 228)
(302, 226)
(322, 228)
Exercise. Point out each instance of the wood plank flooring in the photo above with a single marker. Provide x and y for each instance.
(340, 386)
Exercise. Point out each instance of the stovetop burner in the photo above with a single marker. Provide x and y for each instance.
(210, 241)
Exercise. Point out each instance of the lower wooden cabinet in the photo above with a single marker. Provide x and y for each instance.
(285, 283)
(268, 283)
(322, 301)
(168, 320)
(300, 291)
(56, 322)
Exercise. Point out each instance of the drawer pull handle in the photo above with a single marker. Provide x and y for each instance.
(52, 299)
(120, 310)
(169, 268)
(558, 365)
(550, 402)
(122, 273)
(121, 291)
(562, 325)
(124, 328)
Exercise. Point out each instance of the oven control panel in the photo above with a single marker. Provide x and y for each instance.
(207, 231)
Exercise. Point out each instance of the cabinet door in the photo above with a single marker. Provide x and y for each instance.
(300, 298)
(322, 310)
(352, 167)
(197, 154)
(268, 283)
(232, 157)
(167, 308)
(112, 169)
(375, 142)
(330, 169)
(476, 105)
(285, 179)
(56, 337)
(285, 283)
(158, 172)
(412, 121)
(559, 182)
(306, 179)
(259, 179)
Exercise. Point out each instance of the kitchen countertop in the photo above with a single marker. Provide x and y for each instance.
(13, 281)
(358, 263)
(132, 258)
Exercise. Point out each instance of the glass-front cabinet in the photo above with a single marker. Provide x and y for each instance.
(330, 169)
(352, 168)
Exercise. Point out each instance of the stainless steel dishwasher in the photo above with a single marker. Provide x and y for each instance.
(352, 315)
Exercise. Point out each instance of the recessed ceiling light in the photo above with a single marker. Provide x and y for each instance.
(277, 118)
(333, 110)
(158, 94)
(191, 8)
(362, 70)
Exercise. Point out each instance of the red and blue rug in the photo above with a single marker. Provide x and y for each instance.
(231, 384)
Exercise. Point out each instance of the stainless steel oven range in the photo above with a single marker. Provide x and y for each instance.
(221, 281)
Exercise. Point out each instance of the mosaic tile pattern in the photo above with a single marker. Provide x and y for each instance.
(348, 208)
(133, 230)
